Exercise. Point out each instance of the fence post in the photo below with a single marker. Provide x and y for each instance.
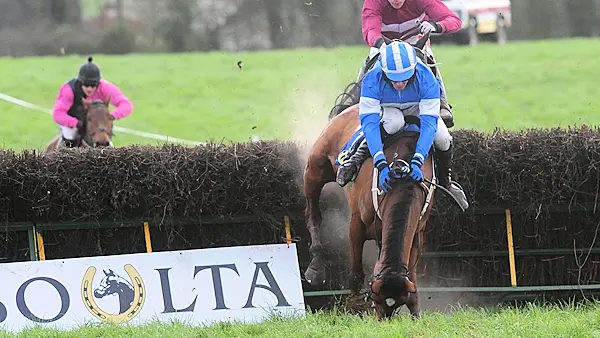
(511, 251)
(40, 246)
(147, 237)
(288, 233)
(32, 243)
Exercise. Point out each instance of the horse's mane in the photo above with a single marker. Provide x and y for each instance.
(398, 220)
(97, 102)
(402, 196)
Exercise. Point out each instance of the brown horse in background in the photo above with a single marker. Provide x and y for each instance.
(97, 128)
(397, 225)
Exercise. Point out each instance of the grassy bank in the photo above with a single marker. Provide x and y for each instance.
(530, 321)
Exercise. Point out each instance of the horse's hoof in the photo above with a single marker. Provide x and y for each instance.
(315, 277)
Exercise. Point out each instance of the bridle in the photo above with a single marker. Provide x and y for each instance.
(89, 134)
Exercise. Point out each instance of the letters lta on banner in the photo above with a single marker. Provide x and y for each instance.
(199, 287)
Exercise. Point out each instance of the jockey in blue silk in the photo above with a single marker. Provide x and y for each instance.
(400, 85)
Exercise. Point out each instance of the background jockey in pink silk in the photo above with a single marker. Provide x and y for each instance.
(89, 85)
(388, 17)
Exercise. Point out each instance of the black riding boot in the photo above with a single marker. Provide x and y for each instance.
(349, 169)
(443, 159)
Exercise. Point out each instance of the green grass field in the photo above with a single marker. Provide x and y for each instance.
(287, 94)
(531, 321)
(91, 8)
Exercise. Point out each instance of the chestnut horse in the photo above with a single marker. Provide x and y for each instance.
(395, 220)
(96, 130)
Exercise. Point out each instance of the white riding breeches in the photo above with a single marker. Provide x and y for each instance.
(70, 134)
(442, 139)
(392, 120)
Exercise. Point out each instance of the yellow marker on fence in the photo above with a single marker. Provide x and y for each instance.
(511, 251)
(40, 245)
(147, 237)
(288, 234)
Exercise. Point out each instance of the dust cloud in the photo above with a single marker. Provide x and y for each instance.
(311, 102)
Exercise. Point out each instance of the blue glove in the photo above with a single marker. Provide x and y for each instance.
(415, 168)
(386, 177)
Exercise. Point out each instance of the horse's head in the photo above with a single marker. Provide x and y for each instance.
(389, 291)
(108, 284)
(98, 124)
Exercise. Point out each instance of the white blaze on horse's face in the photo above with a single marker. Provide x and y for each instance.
(397, 4)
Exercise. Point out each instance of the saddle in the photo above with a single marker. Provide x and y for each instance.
(412, 125)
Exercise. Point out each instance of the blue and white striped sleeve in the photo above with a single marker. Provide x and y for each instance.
(370, 96)
(369, 113)
(430, 98)
(429, 112)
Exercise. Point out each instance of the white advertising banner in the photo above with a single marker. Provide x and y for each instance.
(245, 283)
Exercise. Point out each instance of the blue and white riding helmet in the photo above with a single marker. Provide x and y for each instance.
(398, 61)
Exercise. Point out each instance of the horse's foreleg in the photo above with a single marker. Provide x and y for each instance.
(318, 172)
(413, 299)
(357, 238)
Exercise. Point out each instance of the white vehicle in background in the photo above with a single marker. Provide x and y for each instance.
(481, 19)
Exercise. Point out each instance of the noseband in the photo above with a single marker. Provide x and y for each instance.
(370, 293)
